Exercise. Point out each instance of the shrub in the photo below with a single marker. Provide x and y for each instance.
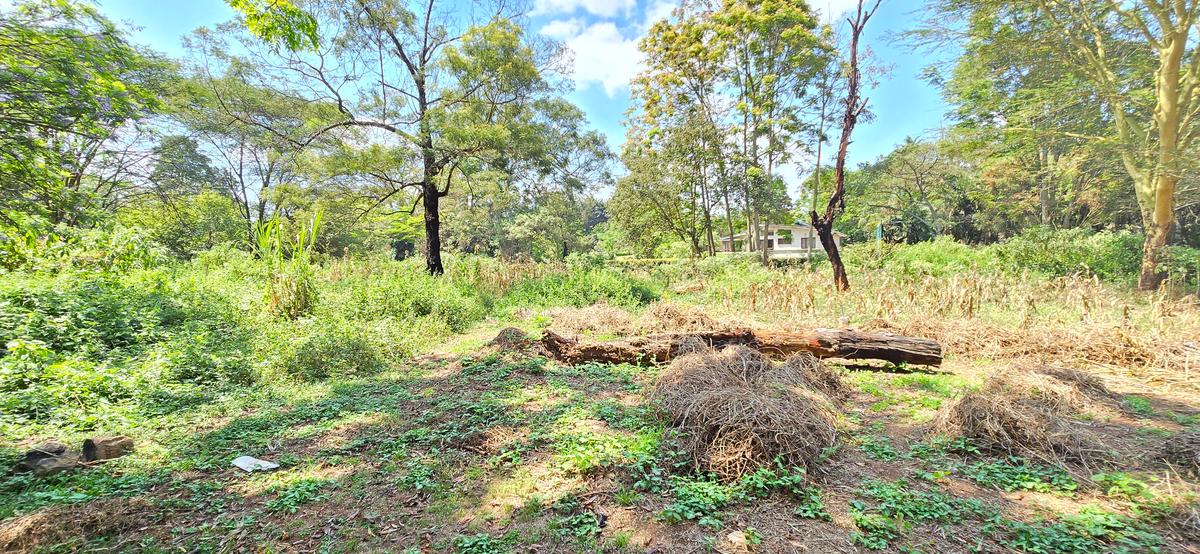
(332, 349)
(38, 385)
(90, 315)
(1112, 256)
(582, 287)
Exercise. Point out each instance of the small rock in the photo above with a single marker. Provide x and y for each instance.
(35, 455)
(107, 448)
(51, 466)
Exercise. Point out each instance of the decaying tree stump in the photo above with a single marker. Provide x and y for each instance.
(822, 343)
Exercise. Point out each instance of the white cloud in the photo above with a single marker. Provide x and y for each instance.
(602, 8)
(604, 53)
(657, 10)
(603, 56)
(562, 29)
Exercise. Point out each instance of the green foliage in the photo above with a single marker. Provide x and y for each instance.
(480, 544)
(326, 349)
(1111, 256)
(573, 521)
(291, 291)
(897, 505)
(279, 22)
(1139, 405)
(71, 81)
(1091, 530)
(1016, 473)
(583, 287)
(1123, 485)
(701, 498)
(295, 494)
(698, 499)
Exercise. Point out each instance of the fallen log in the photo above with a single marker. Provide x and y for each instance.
(822, 343)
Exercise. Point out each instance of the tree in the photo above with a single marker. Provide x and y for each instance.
(1140, 64)
(854, 108)
(71, 82)
(442, 88)
(721, 97)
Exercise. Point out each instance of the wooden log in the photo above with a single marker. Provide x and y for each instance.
(822, 343)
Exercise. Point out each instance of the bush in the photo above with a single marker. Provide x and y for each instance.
(37, 384)
(580, 288)
(89, 315)
(1113, 256)
(332, 349)
(939, 257)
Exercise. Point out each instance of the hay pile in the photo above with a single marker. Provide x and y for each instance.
(664, 317)
(1183, 451)
(56, 525)
(660, 317)
(513, 341)
(1032, 413)
(596, 318)
(737, 412)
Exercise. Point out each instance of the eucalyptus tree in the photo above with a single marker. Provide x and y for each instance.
(773, 53)
(437, 85)
(1134, 65)
(681, 102)
(729, 79)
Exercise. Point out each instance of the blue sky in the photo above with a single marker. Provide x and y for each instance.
(603, 35)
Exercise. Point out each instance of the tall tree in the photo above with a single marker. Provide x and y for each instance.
(855, 105)
(71, 82)
(1139, 60)
(418, 76)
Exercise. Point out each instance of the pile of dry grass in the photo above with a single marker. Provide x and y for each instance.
(597, 318)
(665, 317)
(1183, 452)
(660, 317)
(71, 524)
(736, 411)
(1033, 413)
(514, 342)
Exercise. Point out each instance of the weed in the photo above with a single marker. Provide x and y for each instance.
(1014, 473)
(421, 478)
(627, 497)
(1091, 530)
(1123, 485)
(481, 543)
(896, 504)
(1138, 405)
(879, 447)
(297, 493)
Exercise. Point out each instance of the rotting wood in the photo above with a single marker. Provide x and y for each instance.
(822, 343)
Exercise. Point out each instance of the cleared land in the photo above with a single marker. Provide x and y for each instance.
(488, 446)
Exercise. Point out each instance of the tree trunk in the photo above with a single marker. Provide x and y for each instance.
(854, 108)
(1157, 234)
(822, 343)
(433, 226)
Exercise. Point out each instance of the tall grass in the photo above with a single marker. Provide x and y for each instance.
(290, 288)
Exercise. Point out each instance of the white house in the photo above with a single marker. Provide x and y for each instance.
(783, 241)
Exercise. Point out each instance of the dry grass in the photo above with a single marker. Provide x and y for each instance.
(1033, 413)
(1081, 321)
(64, 524)
(1183, 452)
(660, 317)
(736, 411)
(597, 318)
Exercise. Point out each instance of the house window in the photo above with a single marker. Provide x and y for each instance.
(784, 236)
